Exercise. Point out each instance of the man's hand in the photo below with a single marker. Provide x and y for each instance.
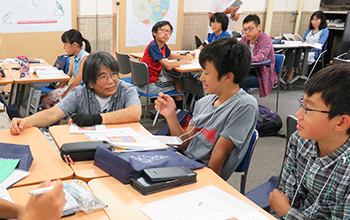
(17, 126)
(279, 202)
(82, 119)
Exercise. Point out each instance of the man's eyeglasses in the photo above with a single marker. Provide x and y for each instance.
(104, 77)
(305, 108)
(166, 31)
(250, 29)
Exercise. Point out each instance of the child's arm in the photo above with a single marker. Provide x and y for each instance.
(10, 210)
(171, 65)
(221, 150)
(77, 79)
(167, 108)
(279, 202)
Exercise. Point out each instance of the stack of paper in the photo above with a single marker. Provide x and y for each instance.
(48, 72)
(126, 138)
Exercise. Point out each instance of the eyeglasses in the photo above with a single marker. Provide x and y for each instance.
(250, 29)
(302, 105)
(166, 31)
(104, 77)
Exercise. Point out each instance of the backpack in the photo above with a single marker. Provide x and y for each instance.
(269, 122)
(62, 63)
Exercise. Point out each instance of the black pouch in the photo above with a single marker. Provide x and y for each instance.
(81, 151)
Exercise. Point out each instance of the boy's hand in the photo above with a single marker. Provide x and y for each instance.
(279, 202)
(188, 57)
(234, 11)
(228, 10)
(166, 105)
(17, 126)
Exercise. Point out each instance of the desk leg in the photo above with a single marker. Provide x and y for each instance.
(12, 92)
(305, 66)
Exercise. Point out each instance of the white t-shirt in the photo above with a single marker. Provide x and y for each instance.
(220, 6)
(103, 102)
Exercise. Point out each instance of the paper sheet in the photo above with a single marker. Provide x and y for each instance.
(126, 138)
(208, 203)
(6, 167)
(74, 129)
(4, 193)
(15, 176)
(191, 65)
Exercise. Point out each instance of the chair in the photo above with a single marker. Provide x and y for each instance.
(198, 41)
(244, 165)
(260, 195)
(140, 77)
(279, 61)
(123, 60)
(320, 59)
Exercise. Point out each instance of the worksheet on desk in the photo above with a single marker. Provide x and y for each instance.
(191, 65)
(207, 203)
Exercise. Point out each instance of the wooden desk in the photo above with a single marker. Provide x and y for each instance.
(33, 81)
(47, 163)
(20, 195)
(86, 170)
(7, 79)
(124, 202)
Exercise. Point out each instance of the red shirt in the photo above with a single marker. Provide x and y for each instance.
(151, 56)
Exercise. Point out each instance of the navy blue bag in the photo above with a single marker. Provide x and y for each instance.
(269, 122)
(125, 165)
(17, 151)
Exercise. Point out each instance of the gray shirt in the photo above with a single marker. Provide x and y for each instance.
(83, 100)
(234, 120)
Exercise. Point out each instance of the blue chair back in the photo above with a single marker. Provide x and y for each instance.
(279, 60)
(244, 165)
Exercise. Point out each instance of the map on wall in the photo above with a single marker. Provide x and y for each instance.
(20, 16)
(143, 14)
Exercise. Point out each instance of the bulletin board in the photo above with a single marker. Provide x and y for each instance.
(123, 21)
(43, 45)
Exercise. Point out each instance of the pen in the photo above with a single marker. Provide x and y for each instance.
(40, 190)
(70, 159)
(156, 118)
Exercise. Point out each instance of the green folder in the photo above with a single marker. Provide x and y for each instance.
(6, 167)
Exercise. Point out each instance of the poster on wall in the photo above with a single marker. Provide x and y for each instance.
(141, 15)
(22, 16)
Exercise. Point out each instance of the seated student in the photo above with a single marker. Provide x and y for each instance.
(316, 172)
(73, 44)
(218, 23)
(103, 100)
(223, 121)
(47, 206)
(156, 55)
(317, 33)
(261, 48)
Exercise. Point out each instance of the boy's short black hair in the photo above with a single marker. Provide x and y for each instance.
(93, 64)
(160, 24)
(333, 83)
(227, 55)
(220, 18)
(251, 17)
(319, 15)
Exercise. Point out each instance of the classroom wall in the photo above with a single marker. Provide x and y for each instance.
(195, 22)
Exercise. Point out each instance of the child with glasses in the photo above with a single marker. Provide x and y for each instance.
(104, 99)
(224, 120)
(218, 23)
(261, 48)
(316, 172)
(156, 56)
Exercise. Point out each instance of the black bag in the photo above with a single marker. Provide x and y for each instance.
(61, 63)
(269, 122)
(81, 151)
